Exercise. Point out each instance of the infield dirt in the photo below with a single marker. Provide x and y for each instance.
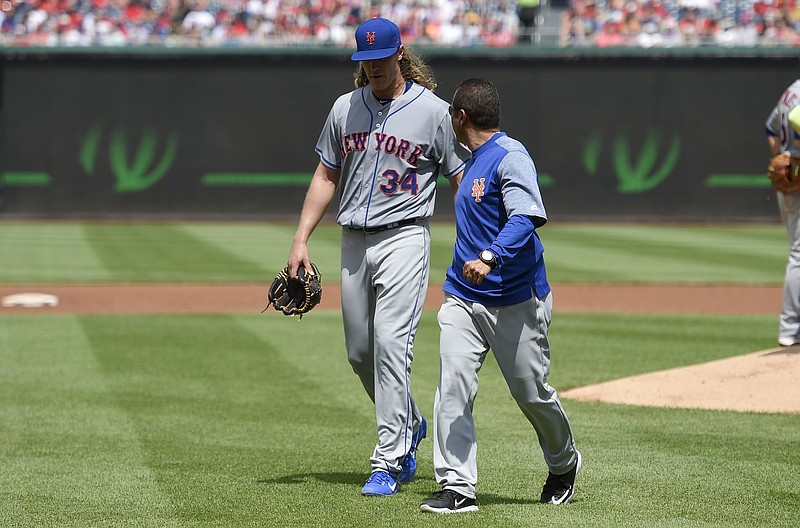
(765, 381)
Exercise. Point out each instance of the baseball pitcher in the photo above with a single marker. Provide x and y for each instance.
(381, 150)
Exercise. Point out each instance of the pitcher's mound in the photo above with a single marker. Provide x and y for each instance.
(766, 381)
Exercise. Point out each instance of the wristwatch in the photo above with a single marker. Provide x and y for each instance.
(488, 258)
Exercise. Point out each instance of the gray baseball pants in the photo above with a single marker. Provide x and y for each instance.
(789, 204)
(384, 282)
(517, 335)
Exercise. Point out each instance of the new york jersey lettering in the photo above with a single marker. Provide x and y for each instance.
(353, 142)
(360, 140)
(400, 148)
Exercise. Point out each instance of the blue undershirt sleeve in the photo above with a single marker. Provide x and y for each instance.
(512, 238)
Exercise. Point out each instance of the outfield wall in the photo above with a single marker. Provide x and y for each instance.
(231, 133)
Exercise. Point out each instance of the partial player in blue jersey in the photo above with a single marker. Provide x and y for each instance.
(496, 297)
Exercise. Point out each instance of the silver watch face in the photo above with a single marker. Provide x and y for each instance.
(487, 256)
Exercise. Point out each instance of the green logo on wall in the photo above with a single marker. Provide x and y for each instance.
(642, 175)
(138, 173)
(635, 172)
(636, 176)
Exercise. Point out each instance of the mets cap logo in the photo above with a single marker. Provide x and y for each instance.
(370, 37)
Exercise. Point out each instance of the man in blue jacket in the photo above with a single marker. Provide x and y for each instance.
(496, 297)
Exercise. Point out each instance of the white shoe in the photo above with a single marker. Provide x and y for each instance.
(787, 341)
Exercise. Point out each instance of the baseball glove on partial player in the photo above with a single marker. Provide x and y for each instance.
(296, 297)
(784, 172)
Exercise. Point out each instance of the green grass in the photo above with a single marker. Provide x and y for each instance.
(77, 252)
(213, 421)
(741, 254)
(257, 420)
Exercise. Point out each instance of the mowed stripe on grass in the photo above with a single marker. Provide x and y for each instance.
(70, 454)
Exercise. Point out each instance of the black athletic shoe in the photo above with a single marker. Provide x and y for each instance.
(559, 489)
(449, 501)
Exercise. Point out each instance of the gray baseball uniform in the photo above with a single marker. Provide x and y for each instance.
(789, 204)
(389, 154)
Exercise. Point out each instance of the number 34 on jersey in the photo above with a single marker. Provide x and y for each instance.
(393, 181)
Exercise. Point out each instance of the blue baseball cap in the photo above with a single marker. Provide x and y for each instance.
(377, 38)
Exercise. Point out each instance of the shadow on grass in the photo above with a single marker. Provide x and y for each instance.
(491, 498)
(329, 478)
(357, 479)
(484, 498)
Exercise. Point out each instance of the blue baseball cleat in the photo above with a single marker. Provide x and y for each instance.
(409, 464)
(380, 484)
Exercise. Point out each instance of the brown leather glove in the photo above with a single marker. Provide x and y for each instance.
(296, 297)
(784, 173)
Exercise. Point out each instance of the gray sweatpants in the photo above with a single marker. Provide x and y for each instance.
(384, 282)
(517, 335)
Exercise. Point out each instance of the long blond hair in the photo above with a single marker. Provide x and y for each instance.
(412, 67)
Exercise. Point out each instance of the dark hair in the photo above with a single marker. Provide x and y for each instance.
(480, 100)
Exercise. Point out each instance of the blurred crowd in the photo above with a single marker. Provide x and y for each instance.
(250, 23)
(674, 23)
(460, 23)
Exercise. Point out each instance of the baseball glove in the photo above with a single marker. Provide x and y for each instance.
(784, 173)
(296, 297)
